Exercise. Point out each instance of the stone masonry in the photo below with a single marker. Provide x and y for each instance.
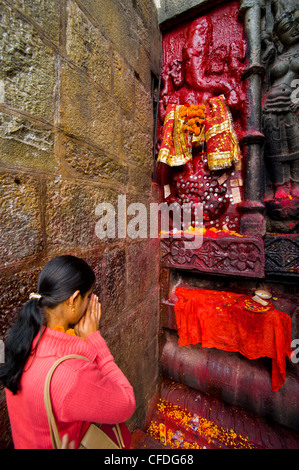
(76, 129)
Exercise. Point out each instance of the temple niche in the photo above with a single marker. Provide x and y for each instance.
(227, 134)
(202, 135)
(227, 141)
(203, 60)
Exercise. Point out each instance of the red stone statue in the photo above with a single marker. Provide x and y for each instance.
(202, 60)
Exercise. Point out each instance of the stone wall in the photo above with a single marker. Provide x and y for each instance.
(171, 11)
(76, 129)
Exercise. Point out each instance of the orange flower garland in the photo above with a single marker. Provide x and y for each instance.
(194, 117)
(69, 331)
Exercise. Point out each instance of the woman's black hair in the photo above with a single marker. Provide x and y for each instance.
(58, 280)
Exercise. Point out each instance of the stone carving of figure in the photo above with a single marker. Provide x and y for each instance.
(173, 80)
(204, 64)
(200, 70)
(280, 114)
(204, 70)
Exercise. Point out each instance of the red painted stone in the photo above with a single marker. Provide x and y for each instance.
(204, 58)
(226, 254)
(233, 379)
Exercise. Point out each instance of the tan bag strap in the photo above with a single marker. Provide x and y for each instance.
(55, 438)
(117, 431)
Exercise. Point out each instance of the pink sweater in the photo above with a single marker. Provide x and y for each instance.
(82, 392)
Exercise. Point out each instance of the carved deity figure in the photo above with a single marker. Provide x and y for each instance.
(203, 66)
(204, 70)
(280, 111)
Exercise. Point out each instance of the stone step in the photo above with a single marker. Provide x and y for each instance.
(224, 420)
(142, 440)
(193, 420)
(233, 379)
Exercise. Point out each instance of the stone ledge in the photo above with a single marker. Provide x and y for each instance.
(258, 430)
(228, 255)
(282, 254)
(232, 378)
(170, 10)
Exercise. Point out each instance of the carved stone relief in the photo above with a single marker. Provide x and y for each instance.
(280, 118)
(202, 59)
(235, 256)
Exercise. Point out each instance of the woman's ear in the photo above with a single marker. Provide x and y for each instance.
(72, 298)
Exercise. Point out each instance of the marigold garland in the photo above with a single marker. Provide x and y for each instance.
(193, 116)
(69, 331)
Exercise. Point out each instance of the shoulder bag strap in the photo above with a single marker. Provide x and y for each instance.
(55, 438)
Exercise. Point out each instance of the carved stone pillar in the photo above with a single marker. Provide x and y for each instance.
(253, 221)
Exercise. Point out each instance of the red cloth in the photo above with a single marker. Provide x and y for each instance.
(222, 145)
(215, 320)
(82, 392)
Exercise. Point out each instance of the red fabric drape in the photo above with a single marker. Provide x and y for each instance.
(215, 320)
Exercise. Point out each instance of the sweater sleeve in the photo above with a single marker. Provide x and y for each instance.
(98, 391)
